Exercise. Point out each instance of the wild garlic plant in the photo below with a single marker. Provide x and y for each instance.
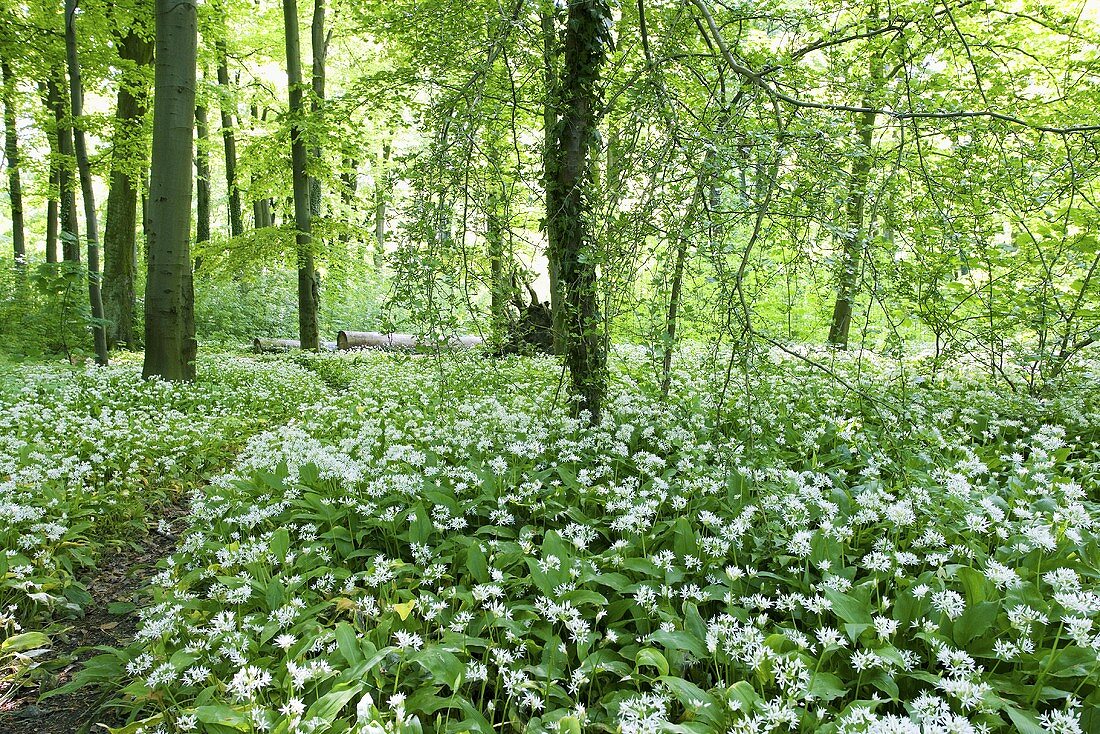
(87, 455)
(441, 548)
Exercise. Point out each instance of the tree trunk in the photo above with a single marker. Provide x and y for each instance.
(382, 194)
(683, 242)
(319, 44)
(855, 236)
(550, 54)
(54, 178)
(498, 280)
(76, 102)
(120, 233)
(569, 179)
(236, 221)
(262, 215)
(70, 243)
(202, 178)
(170, 346)
(307, 276)
(11, 152)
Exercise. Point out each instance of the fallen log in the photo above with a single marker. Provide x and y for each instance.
(264, 346)
(399, 342)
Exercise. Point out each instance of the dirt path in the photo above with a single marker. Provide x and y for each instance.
(119, 578)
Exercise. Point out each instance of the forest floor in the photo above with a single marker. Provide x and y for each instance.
(118, 580)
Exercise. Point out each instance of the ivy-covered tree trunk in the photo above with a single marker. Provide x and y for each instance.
(307, 275)
(70, 242)
(84, 169)
(170, 346)
(855, 234)
(569, 182)
(11, 152)
(128, 158)
(229, 138)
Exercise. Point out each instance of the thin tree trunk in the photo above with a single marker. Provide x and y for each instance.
(11, 152)
(76, 102)
(120, 232)
(382, 194)
(70, 243)
(684, 241)
(54, 176)
(498, 282)
(855, 236)
(236, 221)
(202, 179)
(170, 346)
(569, 180)
(319, 44)
(262, 216)
(307, 276)
(550, 54)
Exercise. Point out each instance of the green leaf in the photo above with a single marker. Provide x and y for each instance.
(348, 642)
(224, 715)
(652, 658)
(329, 705)
(280, 544)
(25, 641)
(848, 608)
(975, 621)
(443, 666)
(1024, 721)
(682, 641)
(826, 687)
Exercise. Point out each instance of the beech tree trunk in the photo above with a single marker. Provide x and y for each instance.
(307, 276)
(569, 179)
(70, 242)
(236, 221)
(84, 168)
(170, 346)
(120, 232)
(11, 152)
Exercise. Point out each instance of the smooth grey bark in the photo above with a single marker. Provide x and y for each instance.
(307, 275)
(120, 231)
(11, 152)
(229, 138)
(569, 181)
(170, 346)
(84, 170)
